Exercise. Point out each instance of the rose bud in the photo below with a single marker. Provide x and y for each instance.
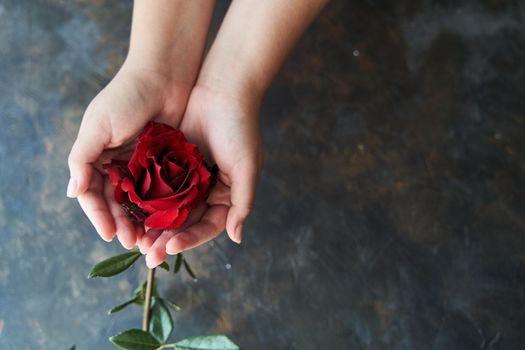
(163, 181)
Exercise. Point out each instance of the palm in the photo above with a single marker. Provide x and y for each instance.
(226, 131)
(109, 129)
(221, 126)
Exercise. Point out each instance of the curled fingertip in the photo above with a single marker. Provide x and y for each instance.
(107, 233)
(140, 232)
(237, 234)
(154, 258)
(143, 245)
(127, 245)
(107, 239)
(141, 249)
(174, 245)
(127, 242)
(150, 264)
(72, 188)
(147, 240)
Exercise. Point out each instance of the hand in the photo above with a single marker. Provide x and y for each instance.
(226, 129)
(109, 127)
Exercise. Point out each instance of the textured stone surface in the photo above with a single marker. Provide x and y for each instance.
(390, 213)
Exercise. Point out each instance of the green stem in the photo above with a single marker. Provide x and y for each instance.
(147, 300)
(165, 346)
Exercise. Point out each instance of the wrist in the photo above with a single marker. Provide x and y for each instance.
(155, 79)
(162, 64)
(167, 72)
(238, 106)
(242, 92)
(236, 85)
(136, 62)
(168, 37)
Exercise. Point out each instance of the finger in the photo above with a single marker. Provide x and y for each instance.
(194, 216)
(140, 230)
(157, 253)
(125, 229)
(211, 224)
(147, 240)
(88, 146)
(220, 194)
(151, 236)
(96, 208)
(243, 179)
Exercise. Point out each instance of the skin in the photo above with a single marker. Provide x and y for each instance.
(154, 82)
(219, 112)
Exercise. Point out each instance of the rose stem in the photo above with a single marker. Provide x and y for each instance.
(147, 300)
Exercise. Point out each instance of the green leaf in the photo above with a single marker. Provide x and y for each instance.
(135, 339)
(123, 305)
(188, 270)
(114, 265)
(210, 342)
(178, 263)
(73, 347)
(161, 323)
(164, 266)
(139, 293)
(172, 304)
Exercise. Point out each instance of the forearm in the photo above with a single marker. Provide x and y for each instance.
(168, 36)
(253, 42)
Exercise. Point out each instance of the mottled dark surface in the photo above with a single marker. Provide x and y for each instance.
(390, 213)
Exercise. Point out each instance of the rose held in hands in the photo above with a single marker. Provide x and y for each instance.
(163, 181)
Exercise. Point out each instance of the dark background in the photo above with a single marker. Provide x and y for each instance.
(390, 212)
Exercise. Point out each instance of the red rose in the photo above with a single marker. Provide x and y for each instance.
(164, 180)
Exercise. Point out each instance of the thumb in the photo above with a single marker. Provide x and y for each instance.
(243, 181)
(87, 148)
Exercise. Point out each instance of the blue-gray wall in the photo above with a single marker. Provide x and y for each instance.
(390, 213)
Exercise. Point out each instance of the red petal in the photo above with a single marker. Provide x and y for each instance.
(159, 188)
(117, 170)
(120, 196)
(144, 183)
(171, 169)
(166, 219)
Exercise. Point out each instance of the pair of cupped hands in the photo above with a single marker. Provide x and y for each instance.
(224, 125)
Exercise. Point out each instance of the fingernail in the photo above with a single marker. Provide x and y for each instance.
(238, 234)
(149, 264)
(128, 246)
(125, 244)
(141, 248)
(180, 242)
(171, 247)
(71, 188)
